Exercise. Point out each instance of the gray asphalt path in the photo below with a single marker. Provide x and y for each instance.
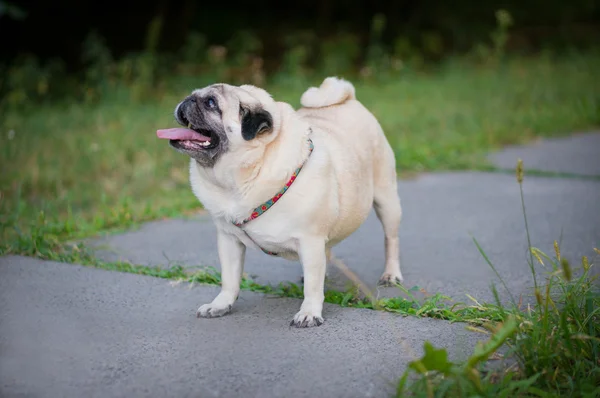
(441, 215)
(576, 154)
(70, 331)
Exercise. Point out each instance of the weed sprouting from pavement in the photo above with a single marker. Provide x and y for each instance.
(555, 344)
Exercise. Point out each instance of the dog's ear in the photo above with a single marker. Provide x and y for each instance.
(255, 122)
(261, 94)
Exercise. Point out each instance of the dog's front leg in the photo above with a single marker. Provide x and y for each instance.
(231, 255)
(314, 262)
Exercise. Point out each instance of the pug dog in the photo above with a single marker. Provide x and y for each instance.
(292, 183)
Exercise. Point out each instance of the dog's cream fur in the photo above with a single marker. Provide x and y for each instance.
(351, 169)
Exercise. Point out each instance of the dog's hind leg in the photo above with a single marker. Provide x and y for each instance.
(389, 211)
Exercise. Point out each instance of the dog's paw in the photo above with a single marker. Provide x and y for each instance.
(390, 280)
(212, 311)
(305, 319)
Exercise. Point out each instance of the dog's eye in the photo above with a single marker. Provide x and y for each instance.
(210, 103)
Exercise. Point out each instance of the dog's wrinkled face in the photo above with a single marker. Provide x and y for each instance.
(217, 118)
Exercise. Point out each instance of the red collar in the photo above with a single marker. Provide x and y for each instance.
(269, 203)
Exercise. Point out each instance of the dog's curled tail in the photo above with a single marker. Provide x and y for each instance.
(331, 92)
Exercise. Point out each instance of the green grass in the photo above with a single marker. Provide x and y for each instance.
(555, 343)
(555, 346)
(101, 164)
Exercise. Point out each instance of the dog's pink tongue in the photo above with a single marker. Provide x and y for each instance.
(179, 133)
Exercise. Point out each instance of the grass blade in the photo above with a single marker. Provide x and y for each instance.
(512, 299)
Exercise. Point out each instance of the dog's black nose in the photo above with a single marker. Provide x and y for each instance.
(182, 110)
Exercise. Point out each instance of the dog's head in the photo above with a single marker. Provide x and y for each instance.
(221, 119)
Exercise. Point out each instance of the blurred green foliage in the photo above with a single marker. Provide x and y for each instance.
(27, 81)
(84, 141)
